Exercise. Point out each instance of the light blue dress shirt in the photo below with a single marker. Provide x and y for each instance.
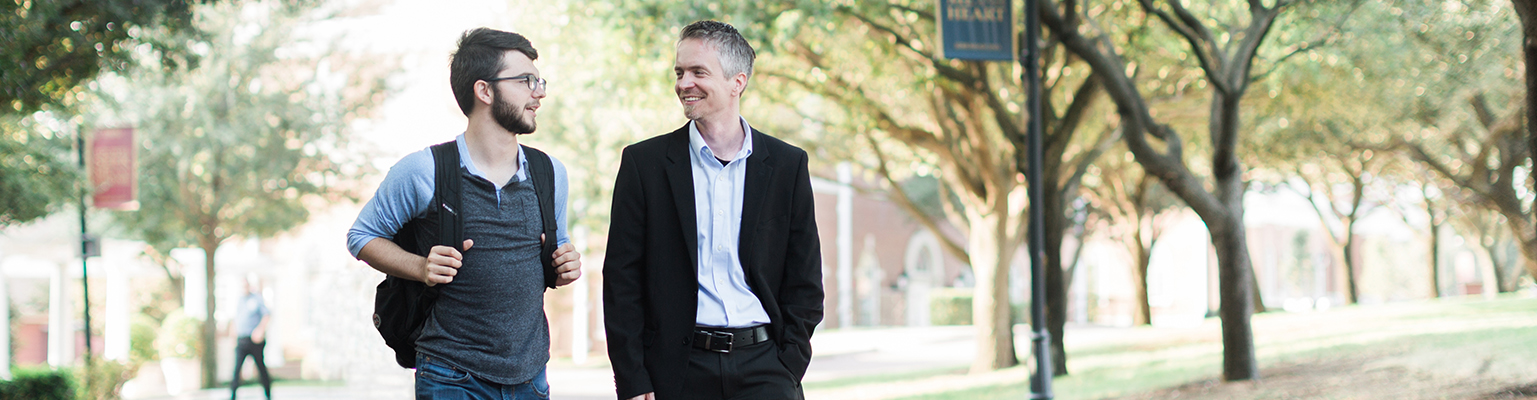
(249, 314)
(406, 192)
(725, 300)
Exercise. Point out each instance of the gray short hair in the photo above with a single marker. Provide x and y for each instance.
(736, 56)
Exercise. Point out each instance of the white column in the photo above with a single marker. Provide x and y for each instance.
(276, 340)
(869, 288)
(1491, 282)
(925, 270)
(5, 334)
(61, 329)
(194, 287)
(845, 246)
(580, 336)
(117, 310)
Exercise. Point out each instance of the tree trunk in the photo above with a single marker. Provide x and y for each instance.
(1529, 250)
(1435, 253)
(1352, 291)
(210, 328)
(179, 289)
(1144, 257)
(1055, 224)
(1235, 272)
(1497, 267)
(1238, 361)
(1258, 295)
(990, 307)
(1531, 267)
(1527, 11)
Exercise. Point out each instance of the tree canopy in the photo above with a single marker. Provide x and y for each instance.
(51, 49)
(248, 141)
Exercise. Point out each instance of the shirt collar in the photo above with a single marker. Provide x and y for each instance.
(469, 165)
(699, 148)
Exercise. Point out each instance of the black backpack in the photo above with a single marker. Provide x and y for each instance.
(401, 306)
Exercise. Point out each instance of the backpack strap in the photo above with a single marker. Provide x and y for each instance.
(402, 306)
(446, 195)
(542, 170)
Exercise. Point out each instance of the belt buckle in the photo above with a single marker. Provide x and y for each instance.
(728, 337)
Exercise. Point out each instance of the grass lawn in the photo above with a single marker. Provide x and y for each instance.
(1462, 348)
(883, 378)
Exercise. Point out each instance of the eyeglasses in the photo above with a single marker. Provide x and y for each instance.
(534, 82)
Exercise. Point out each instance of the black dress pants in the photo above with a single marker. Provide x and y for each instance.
(751, 372)
(245, 347)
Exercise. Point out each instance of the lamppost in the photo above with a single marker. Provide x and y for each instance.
(86, 244)
(1040, 383)
(984, 30)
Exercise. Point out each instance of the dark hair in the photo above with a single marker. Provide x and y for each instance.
(736, 56)
(479, 57)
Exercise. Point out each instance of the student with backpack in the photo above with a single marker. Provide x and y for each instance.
(470, 233)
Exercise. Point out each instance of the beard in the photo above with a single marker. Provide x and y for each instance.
(691, 112)
(508, 116)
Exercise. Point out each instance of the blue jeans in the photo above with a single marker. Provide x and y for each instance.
(436, 380)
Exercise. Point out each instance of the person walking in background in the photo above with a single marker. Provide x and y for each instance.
(251, 319)
(712, 279)
(487, 336)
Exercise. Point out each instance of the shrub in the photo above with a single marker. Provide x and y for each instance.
(180, 336)
(38, 384)
(950, 306)
(103, 379)
(141, 339)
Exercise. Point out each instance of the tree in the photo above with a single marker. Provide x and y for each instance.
(910, 113)
(609, 94)
(52, 48)
(1227, 59)
(1487, 230)
(1471, 132)
(248, 140)
(1527, 11)
(1135, 201)
(1437, 215)
(1403, 74)
(1343, 184)
(37, 171)
(1340, 207)
(1490, 172)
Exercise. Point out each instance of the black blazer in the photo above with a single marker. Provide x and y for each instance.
(650, 283)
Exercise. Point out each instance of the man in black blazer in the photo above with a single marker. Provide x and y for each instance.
(712, 280)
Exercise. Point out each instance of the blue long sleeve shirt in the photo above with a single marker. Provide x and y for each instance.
(406, 192)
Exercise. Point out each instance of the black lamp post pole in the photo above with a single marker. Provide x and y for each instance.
(1040, 383)
(85, 251)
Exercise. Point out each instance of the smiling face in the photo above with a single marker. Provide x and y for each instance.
(513, 105)
(702, 86)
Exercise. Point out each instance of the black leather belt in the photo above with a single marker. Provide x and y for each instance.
(722, 340)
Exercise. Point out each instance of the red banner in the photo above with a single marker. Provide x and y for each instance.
(114, 175)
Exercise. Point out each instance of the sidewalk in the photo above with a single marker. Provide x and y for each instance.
(839, 354)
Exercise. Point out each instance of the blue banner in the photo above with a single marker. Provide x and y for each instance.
(977, 29)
